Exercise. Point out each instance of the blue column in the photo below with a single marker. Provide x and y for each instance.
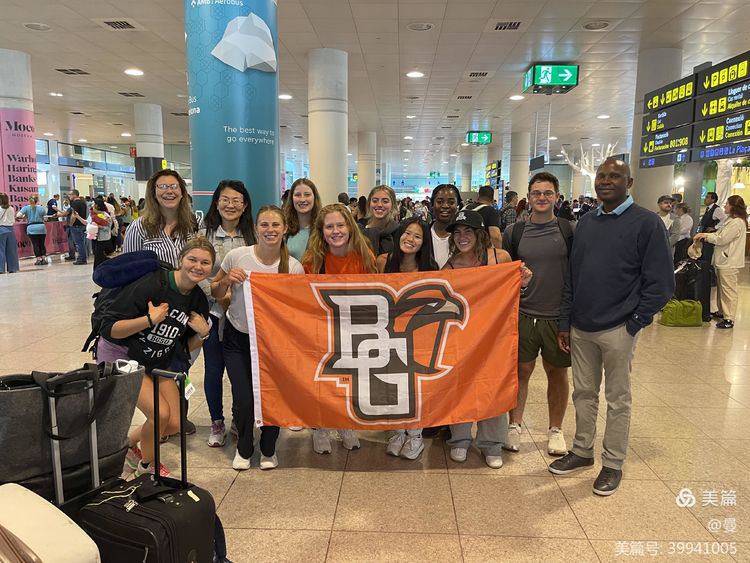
(232, 54)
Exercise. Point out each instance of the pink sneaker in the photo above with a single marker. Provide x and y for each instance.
(133, 457)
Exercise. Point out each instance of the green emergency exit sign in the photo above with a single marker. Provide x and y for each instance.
(550, 79)
(479, 137)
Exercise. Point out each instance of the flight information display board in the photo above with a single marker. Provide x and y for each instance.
(667, 141)
(723, 74)
(668, 118)
(729, 128)
(664, 160)
(677, 91)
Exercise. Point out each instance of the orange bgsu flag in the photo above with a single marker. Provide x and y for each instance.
(384, 351)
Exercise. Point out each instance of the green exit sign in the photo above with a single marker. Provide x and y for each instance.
(550, 78)
(479, 137)
(434, 174)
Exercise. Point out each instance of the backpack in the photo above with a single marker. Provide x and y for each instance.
(116, 273)
(517, 233)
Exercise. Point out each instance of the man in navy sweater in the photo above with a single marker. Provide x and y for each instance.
(619, 276)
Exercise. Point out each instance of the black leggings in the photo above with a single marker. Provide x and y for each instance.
(38, 242)
(237, 359)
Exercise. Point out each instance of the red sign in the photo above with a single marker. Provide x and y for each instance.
(133, 152)
(18, 155)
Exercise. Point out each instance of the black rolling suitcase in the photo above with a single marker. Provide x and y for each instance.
(693, 281)
(152, 519)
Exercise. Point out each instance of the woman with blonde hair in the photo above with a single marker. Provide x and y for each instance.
(729, 257)
(301, 210)
(269, 255)
(382, 219)
(337, 246)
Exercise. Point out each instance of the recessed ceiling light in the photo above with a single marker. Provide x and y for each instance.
(464, 144)
(553, 138)
(83, 140)
(348, 154)
(596, 145)
(445, 162)
(415, 74)
(285, 96)
(356, 161)
(560, 155)
(408, 138)
(133, 72)
(410, 116)
(294, 150)
(516, 97)
(407, 150)
(35, 26)
(452, 154)
(596, 25)
(113, 146)
(56, 94)
(602, 116)
(406, 160)
(420, 26)
(49, 134)
(125, 135)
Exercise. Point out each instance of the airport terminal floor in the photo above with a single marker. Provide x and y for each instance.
(689, 436)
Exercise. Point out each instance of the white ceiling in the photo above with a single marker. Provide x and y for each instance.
(381, 50)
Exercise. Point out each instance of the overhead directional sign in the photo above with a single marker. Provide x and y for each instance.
(724, 74)
(478, 137)
(676, 92)
(666, 141)
(663, 160)
(668, 118)
(726, 150)
(727, 100)
(550, 78)
(730, 128)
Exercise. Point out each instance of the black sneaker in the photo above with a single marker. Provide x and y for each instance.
(570, 463)
(725, 324)
(607, 481)
(70, 258)
(189, 427)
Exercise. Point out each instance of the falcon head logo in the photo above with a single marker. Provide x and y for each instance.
(385, 345)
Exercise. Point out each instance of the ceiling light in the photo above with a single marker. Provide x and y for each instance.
(356, 161)
(445, 162)
(125, 135)
(34, 26)
(452, 154)
(415, 74)
(133, 72)
(560, 155)
(406, 160)
(113, 146)
(49, 134)
(420, 26)
(83, 140)
(596, 25)
(285, 96)
(464, 144)
(410, 116)
(516, 97)
(553, 138)
(56, 94)
(596, 145)
(182, 95)
(294, 150)
(407, 150)
(408, 138)
(602, 116)
(348, 154)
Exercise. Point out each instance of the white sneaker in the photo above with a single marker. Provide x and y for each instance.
(459, 454)
(269, 462)
(349, 439)
(556, 442)
(240, 463)
(218, 436)
(513, 441)
(321, 441)
(413, 447)
(494, 461)
(396, 443)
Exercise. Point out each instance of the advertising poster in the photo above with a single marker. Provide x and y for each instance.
(18, 155)
(231, 49)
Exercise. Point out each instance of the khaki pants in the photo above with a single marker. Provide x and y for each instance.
(610, 351)
(728, 291)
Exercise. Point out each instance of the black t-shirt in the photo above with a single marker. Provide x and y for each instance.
(52, 206)
(79, 206)
(490, 215)
(154, 347)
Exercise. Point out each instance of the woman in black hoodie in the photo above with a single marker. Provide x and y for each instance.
(381, 222)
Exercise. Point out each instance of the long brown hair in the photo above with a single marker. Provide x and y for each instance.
(4, 201)
(737, 207)
(151, 217)
(284, 254)
(317, 247)
(480, 247)
(290, 213)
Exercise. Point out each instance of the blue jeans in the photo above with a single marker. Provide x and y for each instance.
(79, 237)
(213, 378)
(8, 250)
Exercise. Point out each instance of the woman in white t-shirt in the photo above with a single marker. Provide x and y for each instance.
(446, 201)
(269, 255)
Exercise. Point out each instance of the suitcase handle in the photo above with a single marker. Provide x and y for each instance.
(180, 378)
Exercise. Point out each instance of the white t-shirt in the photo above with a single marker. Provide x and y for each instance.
(440, 248)
(245, 258)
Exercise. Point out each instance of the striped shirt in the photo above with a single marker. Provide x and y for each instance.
(166, 248)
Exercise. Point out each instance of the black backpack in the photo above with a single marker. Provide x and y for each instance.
(116, 273)
(566, 229)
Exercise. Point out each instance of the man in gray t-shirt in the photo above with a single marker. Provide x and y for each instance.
(543, 244)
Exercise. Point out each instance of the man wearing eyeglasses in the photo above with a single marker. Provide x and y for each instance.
(543, 243)
(619, 276)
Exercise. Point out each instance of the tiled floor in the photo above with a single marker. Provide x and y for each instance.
(689, 430)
